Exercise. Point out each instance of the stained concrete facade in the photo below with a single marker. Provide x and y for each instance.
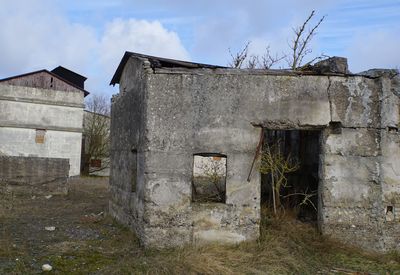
(167, 111)
(41, 115)
(33, 175)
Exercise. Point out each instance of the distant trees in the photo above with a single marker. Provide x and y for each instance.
(96, 134)
(299, 48)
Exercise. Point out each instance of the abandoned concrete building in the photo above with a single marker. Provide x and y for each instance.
(41, 117)
(169, 114)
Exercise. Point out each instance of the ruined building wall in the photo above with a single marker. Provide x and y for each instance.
(126, 174)
(361, 172)
(186, 112)
(190, 113)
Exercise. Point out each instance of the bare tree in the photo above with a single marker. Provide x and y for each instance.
(268, 60)
(240, 57)
(97, 134)
(299, 49)
(300, 44)
(243, 59)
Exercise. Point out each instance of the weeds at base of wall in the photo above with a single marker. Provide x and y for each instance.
(286, 246)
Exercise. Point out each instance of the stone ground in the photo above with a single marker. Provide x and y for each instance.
(87, 241)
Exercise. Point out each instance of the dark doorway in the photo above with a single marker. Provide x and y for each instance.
(298, 192)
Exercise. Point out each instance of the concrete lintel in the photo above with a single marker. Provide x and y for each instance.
(287, 125)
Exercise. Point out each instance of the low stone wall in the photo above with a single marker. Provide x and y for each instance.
(33, 175)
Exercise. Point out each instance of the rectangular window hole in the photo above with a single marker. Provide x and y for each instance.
(209, 178)
(40, 133)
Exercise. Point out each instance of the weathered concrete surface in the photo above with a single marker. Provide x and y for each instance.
(57, 144)
(60, 113)
(127, 150)
(32, 175)
(164, 116)
(359, 177)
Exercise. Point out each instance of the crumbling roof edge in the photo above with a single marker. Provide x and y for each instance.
(166, 65)
(158, 62)
(233, 71)
(49, 72)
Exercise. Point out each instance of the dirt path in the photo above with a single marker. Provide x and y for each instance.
(78, 218)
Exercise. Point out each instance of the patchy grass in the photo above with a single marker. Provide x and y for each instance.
(84, 243)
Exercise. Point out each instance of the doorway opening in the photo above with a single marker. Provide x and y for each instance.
(289, 182)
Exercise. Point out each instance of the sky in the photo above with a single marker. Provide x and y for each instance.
(90, 37)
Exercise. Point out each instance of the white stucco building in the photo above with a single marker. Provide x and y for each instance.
(41, 114)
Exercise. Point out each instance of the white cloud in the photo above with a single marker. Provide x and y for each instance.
(34, 36)
(378, 49)
(147, 37)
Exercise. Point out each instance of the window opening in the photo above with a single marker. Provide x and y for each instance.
(40, 133)
(209, 178)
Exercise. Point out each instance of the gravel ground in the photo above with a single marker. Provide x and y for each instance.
(79, 217)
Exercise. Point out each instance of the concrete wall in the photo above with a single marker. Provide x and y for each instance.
(361, 173)
(181, 112)
(128, 149)
(60, 113)
(32, 175)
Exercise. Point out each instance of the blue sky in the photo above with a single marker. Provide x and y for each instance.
(91, 36)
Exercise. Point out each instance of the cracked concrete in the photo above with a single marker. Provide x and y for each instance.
(167, 111)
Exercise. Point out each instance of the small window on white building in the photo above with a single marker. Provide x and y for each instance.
(40, 133)
(209, 178)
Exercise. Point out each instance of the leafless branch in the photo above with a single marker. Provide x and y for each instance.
(239, 58)
(268, 60)
(243, 59)
(301, 42)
